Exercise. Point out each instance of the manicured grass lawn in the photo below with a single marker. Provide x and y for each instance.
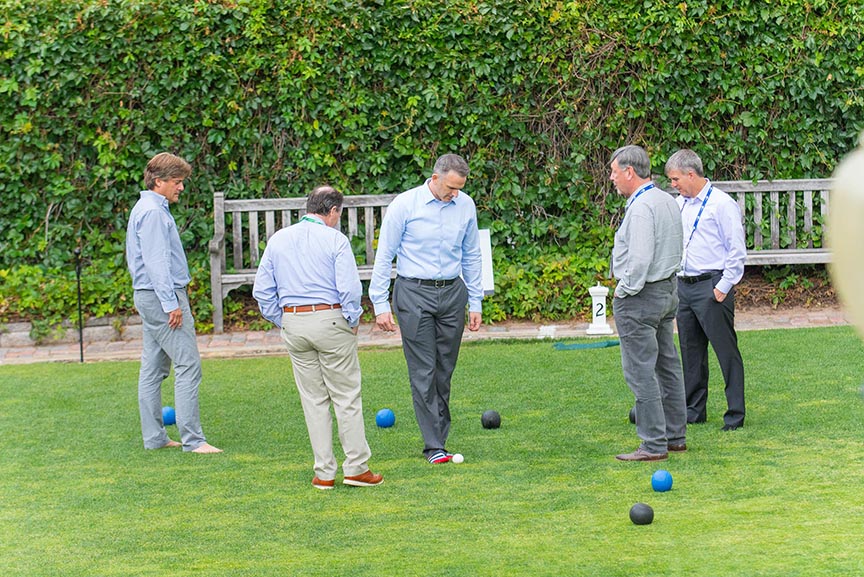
(542, 495)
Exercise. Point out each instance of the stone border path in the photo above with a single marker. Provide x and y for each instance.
(104, 343)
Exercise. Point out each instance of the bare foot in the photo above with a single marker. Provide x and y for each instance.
(170, 445)
(206, 448)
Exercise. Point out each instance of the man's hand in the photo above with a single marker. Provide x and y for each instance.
(474, 321)
(385, 322)
(718, 296)
(175, 318)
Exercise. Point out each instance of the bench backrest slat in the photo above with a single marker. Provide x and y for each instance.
(253, 238)
(369, 214)
(237, 236)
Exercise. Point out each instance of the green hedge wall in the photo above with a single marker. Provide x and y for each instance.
(270, 98)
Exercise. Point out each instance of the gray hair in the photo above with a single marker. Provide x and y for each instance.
(323, 199)
(451, 163)
(634, 156)
(685, 160)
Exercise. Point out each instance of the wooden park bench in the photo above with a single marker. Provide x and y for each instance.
(784, 220)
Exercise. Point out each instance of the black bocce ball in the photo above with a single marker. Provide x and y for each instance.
(641, 514)
(490, 420)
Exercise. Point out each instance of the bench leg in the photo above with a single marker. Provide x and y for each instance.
(216, 294)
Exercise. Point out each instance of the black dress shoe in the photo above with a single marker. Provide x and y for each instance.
(731, 427)
(698, 421)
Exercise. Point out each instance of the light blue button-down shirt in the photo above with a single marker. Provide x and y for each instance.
(154, 253)
(430, 239)
(718, 241)
(308, 263)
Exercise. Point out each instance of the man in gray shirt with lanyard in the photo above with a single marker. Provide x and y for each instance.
(645, 257)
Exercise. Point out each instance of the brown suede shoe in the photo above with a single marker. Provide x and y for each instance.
(677, 448)
(367, 479)
(642, 455)
(323, 485)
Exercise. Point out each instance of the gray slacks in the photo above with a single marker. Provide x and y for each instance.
(651, 365)
(431, 320)
(702, 320)
(162, 346)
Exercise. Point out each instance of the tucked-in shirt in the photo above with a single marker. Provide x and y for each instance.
(154, 253)
(308, 263)
(648, 243)
(718, 241)
(430, 239)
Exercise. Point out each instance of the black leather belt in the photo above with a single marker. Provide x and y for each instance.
(698, 277)
(437, 283)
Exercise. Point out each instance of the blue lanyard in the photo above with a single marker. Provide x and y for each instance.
(698, 216)
(649, 186)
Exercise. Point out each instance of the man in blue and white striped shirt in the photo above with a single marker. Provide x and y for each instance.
(160, 274)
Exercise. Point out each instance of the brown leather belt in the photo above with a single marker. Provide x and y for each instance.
(311, 308)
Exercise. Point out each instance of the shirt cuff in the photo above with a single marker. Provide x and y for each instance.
(381, 308)
(724, 286)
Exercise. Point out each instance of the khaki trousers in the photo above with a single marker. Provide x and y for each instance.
(323, 352)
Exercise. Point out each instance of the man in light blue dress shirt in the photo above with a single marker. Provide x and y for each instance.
(713, 263)
(160, 273)
(307, 284)
(432, 232)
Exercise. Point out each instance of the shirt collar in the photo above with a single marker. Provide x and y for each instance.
(431, 197)
(155, 196)
(314, 217)
(701, 196)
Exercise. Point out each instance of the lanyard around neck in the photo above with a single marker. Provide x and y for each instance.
(699, 215)
(649, 186)
(310, 219)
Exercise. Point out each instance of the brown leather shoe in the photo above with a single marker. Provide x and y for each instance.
(677, 448)
(323, 485)
(642, 455)
(367, 479)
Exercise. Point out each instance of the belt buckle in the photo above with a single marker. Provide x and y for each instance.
(440, 283)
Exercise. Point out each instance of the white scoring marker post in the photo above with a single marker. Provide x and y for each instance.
(598, 325)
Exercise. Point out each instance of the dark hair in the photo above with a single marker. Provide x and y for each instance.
(451, 163)
(165, 166)
(323, 199)
(634, 156)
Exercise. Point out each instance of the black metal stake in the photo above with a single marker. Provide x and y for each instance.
(80, 317)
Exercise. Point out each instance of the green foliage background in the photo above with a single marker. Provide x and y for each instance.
(270, 98)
